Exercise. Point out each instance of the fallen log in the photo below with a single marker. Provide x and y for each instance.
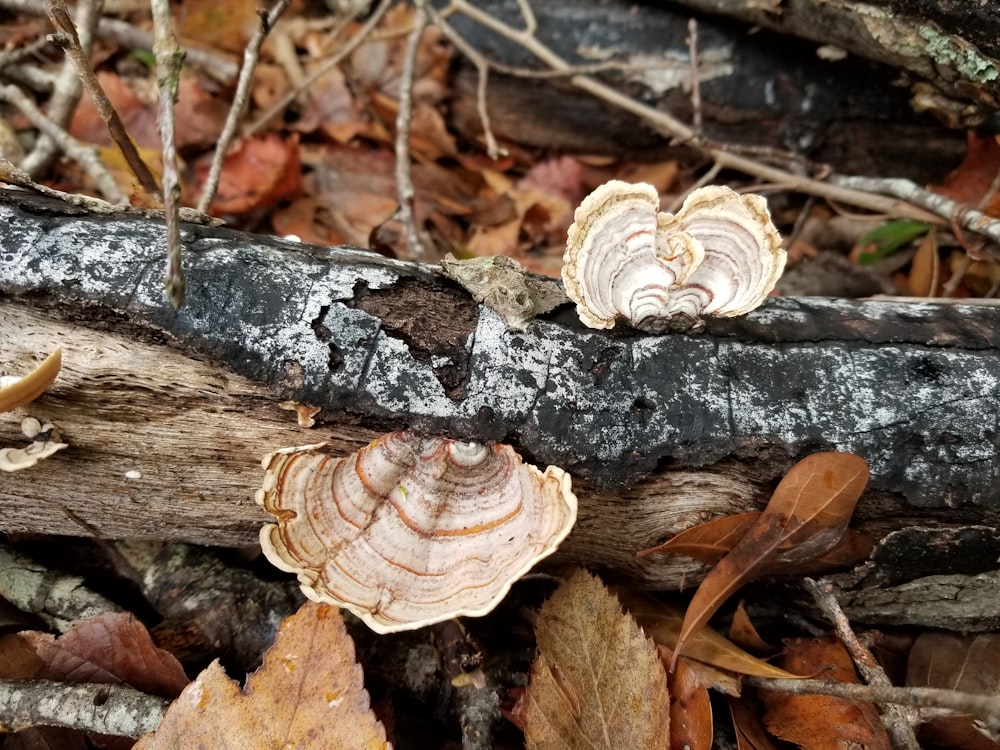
(760, 87)
(168, 412)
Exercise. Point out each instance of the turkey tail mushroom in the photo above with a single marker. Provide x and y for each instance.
(719, 255)
(411, 531)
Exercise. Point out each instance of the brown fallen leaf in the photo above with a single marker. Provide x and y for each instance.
(820, 722)
(309, 692)
(662, 622)
(597, 681)
(690, 711)
(112, 647)
(968, 663)
(709, 542)
(743, 633)
(972, 179)
(257, 173)
(925, 268)
(750, 732)
(806, 517)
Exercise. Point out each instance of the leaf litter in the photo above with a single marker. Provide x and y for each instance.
(597, 681)
(309, 692)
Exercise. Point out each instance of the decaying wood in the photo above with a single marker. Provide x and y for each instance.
(951, 46)
(195, 434)
(759, 88)
(660, 432)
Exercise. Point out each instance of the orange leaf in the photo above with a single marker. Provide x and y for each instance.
(690, 711)
(258, 173)
(743, 632)
(814, 503)
(710, 541)
(972, 179)
(750, 732)
(968, 663)
(925, 269)
(809, 511)
(817, 722)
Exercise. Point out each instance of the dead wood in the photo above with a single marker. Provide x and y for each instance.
(660, 432)
(851, 106)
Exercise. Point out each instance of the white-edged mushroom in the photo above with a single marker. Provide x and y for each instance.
(48, 442)
(719, 255)
(411, 531)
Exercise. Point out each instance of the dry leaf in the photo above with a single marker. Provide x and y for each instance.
(968, 663)
(708, 542)
(216, 25)
(925, 269)
(820, 722)
(806, 517)
(309, 692)
(662, 622)
(750, 732)
(972, 179)
(18, 660)
(743, 632)
(690, 711)
(258, 173)
(112, 647)
(597, 681)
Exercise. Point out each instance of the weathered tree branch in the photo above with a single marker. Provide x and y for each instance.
(695, 425)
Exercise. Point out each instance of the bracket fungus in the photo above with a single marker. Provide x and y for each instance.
(45, 441)
(15, 392)
(719, 255)
(410, 531)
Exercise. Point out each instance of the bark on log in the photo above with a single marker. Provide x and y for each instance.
(953, 46)
(757, 89)
(660, 432)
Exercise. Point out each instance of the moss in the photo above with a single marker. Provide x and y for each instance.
(962, 56)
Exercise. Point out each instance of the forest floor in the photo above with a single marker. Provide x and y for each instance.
(344, 134)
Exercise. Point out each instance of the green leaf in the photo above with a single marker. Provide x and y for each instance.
(889, 238)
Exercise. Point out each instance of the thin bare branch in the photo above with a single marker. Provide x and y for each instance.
(692, 41)
(106, 709)
(66, 94)
(85, 156)
(169, 60)
(985, 707)
(404, 183)
(483, 73)
(894, 717)
(128, 35)
(349, 46)
(250, 57)
(59, 14)
(966, 216)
